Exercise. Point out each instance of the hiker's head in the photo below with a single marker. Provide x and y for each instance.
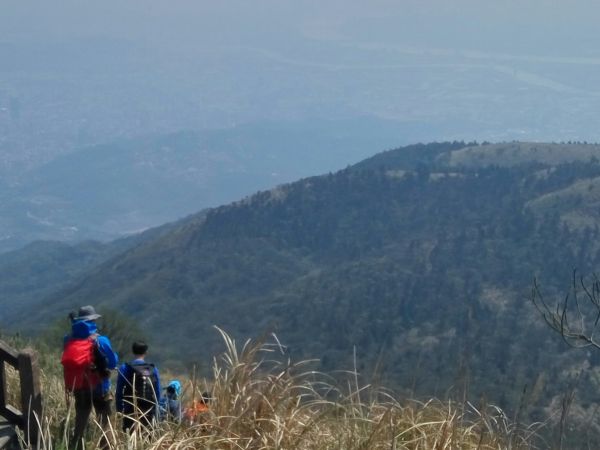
(86, 313)
(139, 348)
(206, 398)
(173, 389)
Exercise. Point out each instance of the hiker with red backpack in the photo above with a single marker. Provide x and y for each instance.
(87, 360)
(138, 389)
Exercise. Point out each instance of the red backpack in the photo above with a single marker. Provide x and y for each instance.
(78, 360)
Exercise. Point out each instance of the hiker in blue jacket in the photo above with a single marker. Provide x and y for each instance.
(98, 397)
(170, 404)
(138, 389)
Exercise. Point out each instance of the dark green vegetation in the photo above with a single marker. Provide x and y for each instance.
(41, 268)
(422, 258)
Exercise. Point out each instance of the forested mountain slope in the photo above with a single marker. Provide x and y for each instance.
(30, 274)
(423, 264)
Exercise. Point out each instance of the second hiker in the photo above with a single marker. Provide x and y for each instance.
(138, 389)
(170, 404)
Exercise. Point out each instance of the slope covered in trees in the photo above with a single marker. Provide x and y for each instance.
(421, 264)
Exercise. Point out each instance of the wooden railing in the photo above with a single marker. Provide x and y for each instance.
(29, 415)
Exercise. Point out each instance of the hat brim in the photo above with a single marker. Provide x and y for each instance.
(89, 317)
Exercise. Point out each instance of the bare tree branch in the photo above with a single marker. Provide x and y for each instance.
(577, 317)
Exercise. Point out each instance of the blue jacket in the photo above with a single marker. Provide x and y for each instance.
(124, 379)
(82, 329)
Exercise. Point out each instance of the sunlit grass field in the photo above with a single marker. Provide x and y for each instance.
(263, 401)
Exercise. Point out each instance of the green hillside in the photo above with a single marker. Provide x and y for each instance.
(30, 274)
(422, 264)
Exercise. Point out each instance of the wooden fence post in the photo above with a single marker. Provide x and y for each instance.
(2, 386)
(31, 397)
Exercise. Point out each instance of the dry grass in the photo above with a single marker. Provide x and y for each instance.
(508, 154)
(262, 401)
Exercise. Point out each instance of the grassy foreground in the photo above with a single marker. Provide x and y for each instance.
(262, 401)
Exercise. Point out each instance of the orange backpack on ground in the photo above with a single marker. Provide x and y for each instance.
(196, 412)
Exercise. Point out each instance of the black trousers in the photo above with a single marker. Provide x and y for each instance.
(85, 400)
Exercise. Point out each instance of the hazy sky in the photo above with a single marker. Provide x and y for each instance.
(542, 26)
(471, 69)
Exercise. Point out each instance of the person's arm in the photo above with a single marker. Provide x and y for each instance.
(112, 359)
(121, 380)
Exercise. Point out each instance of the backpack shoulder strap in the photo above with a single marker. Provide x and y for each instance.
(142, 368)
(144, 364)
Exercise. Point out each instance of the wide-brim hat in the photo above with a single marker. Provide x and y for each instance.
(87, 313)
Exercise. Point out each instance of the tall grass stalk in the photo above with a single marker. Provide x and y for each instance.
(262, 401)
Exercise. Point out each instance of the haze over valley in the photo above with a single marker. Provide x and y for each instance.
(337, 84)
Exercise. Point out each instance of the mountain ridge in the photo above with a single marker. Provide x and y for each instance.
(133, 184)
(424, 268)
